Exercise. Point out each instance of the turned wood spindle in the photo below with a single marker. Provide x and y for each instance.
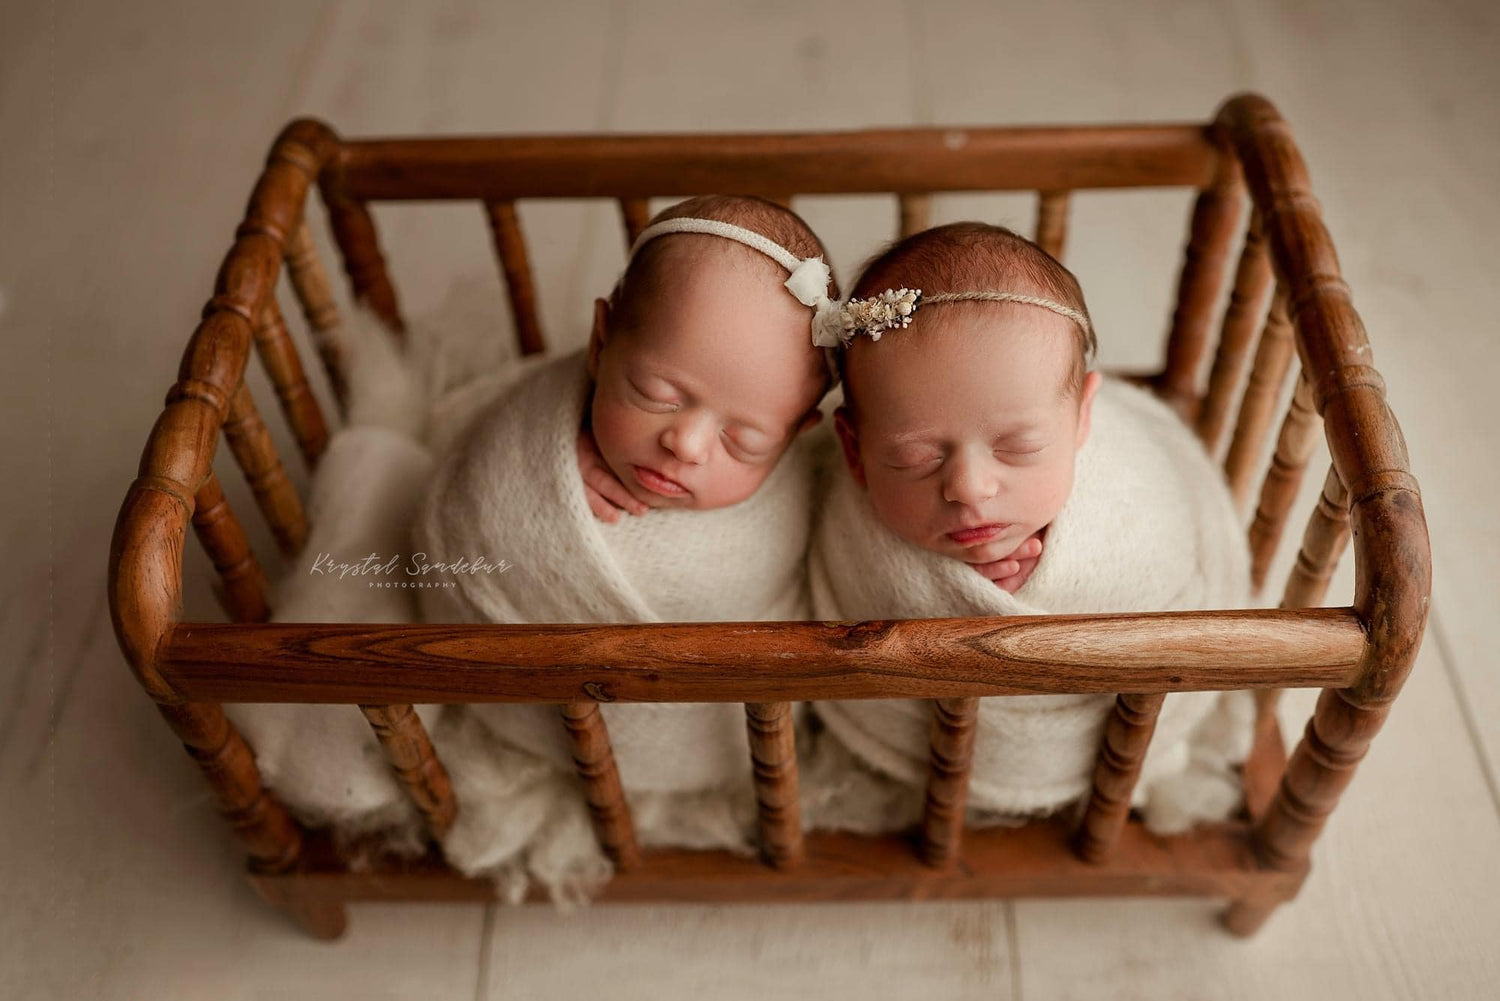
(255, 452)
(916, 213)
(1052, 221)
(1122, 750)
(1252, 278)
(417, 766)
(243, 587)
(510, 248)
(1273, 359)
(1294, 448)
(773, 753)
(1216, 215)
(279, 356)
(588, 738)
(951, 755)
(353, 230)
(635, 214)
(315, 295)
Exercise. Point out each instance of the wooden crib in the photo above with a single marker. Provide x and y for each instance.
(1286, 287)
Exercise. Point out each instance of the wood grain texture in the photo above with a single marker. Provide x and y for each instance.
(588, 739)
(773, 756)
(515, 268)
(950, 757)
(1122, 751)
(763, 661)
(1052, 221)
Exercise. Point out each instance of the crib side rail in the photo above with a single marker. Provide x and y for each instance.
(762, 661)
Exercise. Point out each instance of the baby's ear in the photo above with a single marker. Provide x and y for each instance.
(598, 336)
(849, 440)
(1091, 384)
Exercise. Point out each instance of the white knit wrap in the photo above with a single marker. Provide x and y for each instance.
(1149, 526)
(510, 489)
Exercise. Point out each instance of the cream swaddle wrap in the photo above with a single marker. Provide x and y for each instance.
(509, 489)
(1149, 526)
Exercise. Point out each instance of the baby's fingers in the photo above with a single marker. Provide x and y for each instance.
(1030, 549)
(603, 509)
(998, 569)
(612, 490)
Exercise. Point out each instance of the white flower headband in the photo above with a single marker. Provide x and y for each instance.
(809, 275)
(894, 308)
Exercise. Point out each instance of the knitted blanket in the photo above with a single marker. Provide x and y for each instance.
(1148, 526)
(508, 489)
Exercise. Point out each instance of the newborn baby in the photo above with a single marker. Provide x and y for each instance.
(988, 471)
(688, 407)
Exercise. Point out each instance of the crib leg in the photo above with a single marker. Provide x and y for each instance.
(321, 920)
(1244, 917)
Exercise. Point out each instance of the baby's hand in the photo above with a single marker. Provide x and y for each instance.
(606, 495)
(1014, 570)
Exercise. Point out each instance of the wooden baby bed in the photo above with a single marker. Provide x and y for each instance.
(1286, 287)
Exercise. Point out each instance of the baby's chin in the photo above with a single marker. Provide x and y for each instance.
(997, 548)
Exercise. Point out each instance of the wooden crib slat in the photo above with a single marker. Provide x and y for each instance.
(588, 738)
(1052, 221)
(354, 231)
(635, 213)
(773, 753)
(1273, 358)
(315, 295)
(510, 247)
(1252, 278)
(916, 213)
(1127, 736)
(1323, 543)
(279, 355)
(1216, 216)
(418, 768)
(243, 583)
(1294, 447)
(251, 444)
(951, 755)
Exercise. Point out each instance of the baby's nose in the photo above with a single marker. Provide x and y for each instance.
(971, 481)
(689, 438)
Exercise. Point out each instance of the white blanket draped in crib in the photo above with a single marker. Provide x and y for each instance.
(1149, 526)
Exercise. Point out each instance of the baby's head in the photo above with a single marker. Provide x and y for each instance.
(963, 426)
(703, 363)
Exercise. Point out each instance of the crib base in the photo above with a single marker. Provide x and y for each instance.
(1030, 861)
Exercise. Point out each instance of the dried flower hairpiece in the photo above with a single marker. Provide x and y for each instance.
(890, 310)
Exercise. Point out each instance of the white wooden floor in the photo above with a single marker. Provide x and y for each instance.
(131, 135)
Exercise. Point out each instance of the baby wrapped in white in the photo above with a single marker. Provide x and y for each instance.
(1149, 526)
(509, 489)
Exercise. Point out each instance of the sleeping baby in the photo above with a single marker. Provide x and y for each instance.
(988, 471)
(688, 407)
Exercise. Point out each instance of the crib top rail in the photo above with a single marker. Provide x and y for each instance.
(763, 661)
(865, 161)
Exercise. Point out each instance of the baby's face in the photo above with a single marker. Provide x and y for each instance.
(695, 408)
(966, 428)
